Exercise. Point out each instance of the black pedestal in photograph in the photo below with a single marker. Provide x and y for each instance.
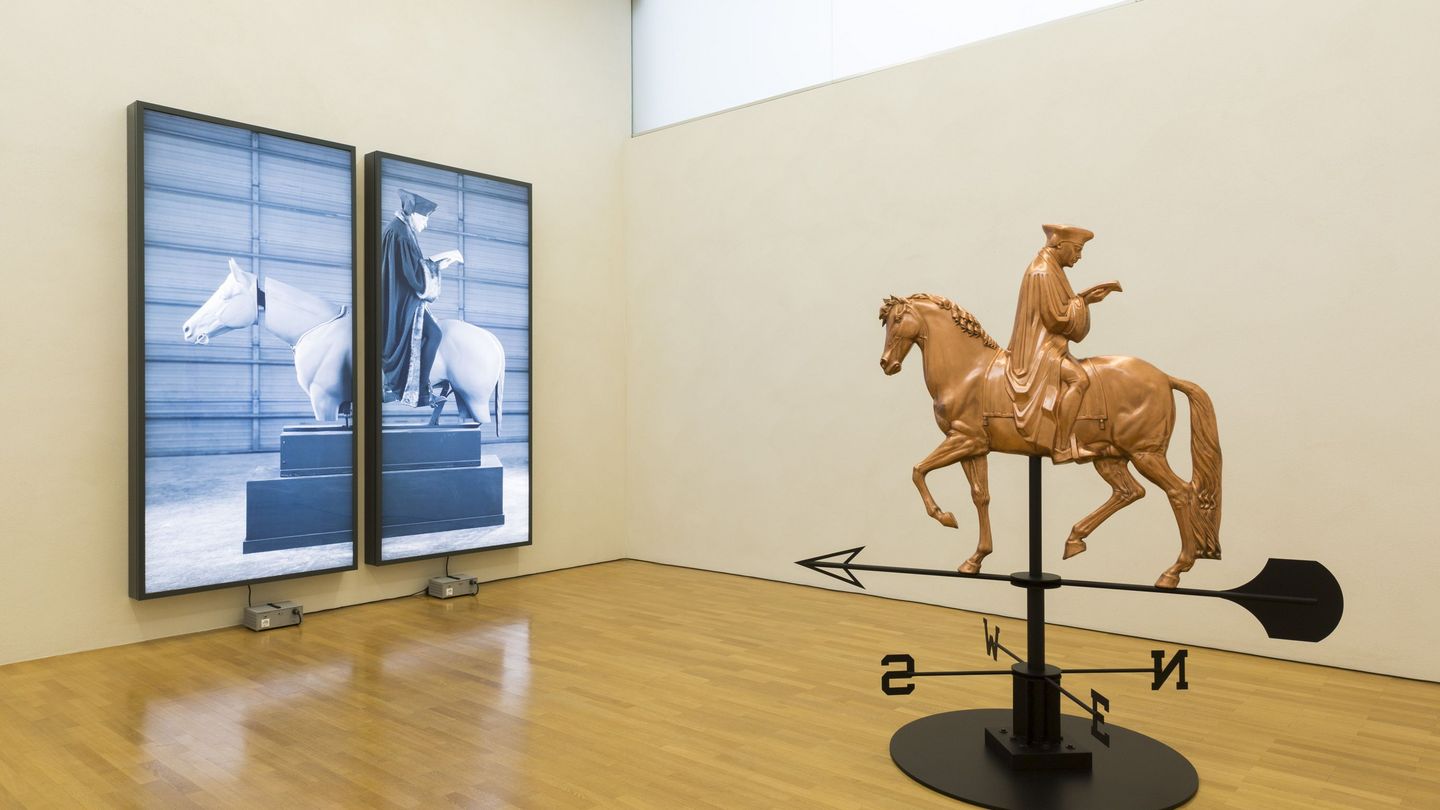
(312, 503)
(435, 478)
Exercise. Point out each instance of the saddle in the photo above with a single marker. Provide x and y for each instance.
(1092, 427)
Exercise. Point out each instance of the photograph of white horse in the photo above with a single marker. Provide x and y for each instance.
(469, 357)
(244, 477)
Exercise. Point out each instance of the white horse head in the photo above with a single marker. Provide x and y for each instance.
(232, 306)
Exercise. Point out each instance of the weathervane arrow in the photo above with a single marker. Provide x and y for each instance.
(821, 565)
(1298, 600)
(825, 564)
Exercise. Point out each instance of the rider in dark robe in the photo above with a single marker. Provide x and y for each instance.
(408, 281)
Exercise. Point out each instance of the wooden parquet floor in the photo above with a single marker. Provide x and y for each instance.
(634, 685)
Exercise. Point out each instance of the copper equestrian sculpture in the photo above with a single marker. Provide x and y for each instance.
(1034, 398)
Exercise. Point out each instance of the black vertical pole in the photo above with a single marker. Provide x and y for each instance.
(1034, 595)
(1034, 742)
(1037, 700)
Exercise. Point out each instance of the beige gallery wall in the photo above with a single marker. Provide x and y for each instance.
(536, 90)
(1259, 173)
(1262, 180)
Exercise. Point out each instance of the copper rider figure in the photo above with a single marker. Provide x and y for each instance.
(1046, 383)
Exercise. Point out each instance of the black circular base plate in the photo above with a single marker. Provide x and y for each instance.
(947, 753)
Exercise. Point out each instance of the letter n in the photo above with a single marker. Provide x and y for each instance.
(1162, 675)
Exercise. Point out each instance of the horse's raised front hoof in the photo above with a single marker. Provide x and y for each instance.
(1073, 547)
(947, 519)
(1167, 580)
(970, 566)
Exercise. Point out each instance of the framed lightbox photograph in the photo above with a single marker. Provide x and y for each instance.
(447, 278)
(242, 334)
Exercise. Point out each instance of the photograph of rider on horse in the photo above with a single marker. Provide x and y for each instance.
(451, 266)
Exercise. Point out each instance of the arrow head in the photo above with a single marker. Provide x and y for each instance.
(1300, 578)
(825, 562)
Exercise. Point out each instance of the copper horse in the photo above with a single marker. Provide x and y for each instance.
(1126, 417)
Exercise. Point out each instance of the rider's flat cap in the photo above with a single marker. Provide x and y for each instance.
(412, 203)
(1055, 234)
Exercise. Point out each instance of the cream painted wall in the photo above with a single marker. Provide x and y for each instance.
(1256, 172)
(1262, 177)
(532, 90)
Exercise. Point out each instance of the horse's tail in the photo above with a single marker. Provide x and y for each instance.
(1204, 517)
(500, 394)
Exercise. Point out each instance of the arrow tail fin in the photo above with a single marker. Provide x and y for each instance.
(1307, 579)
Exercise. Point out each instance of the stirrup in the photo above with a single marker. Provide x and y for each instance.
(437, 404)
(1069, 453)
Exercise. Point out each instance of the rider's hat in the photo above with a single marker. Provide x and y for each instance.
(1055, 234)
(412, 203)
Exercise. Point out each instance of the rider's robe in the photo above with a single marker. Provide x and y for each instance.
(1048, 316)
(410, 334)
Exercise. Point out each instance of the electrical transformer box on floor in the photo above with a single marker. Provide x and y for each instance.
(453, 585)
(272, 615)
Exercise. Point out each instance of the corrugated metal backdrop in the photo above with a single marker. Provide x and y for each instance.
(279, 207)
(488, 221)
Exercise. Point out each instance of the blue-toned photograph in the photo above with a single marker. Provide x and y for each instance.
(449, 264)
(247, 277)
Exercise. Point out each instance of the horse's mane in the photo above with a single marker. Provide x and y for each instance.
(962, 317)
(298, 297)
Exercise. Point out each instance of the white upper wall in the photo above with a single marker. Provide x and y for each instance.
(695, 57)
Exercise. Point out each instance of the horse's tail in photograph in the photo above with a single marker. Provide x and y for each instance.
(1204, 517)
(500, 394)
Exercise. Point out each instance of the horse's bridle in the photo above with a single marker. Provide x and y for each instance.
(920, 335)
(260, 305)
(260, 311)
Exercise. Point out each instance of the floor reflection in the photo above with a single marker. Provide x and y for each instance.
(355, 714)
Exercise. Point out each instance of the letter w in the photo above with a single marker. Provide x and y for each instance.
(992, 643)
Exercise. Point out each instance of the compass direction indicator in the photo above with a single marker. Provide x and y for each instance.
(1028, 756)
(1159, 670)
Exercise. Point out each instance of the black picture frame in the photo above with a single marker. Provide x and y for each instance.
(375, 209)
(137, 356)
